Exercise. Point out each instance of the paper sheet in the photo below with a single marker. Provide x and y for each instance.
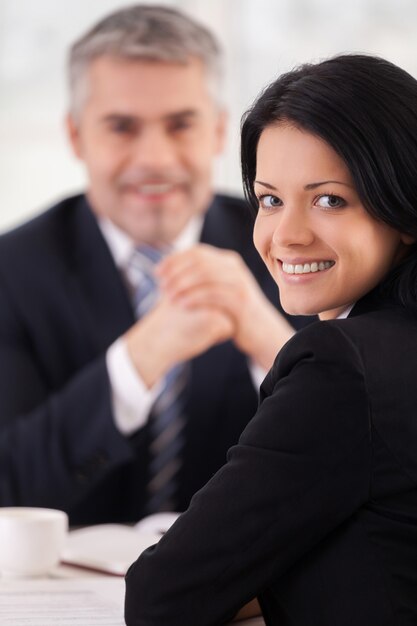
(112, 548)
(78, 602)
(107, 548)
(87, 602)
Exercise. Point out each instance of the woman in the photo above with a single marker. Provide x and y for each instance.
(315, 512)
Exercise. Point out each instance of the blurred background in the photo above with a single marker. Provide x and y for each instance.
(261, 39)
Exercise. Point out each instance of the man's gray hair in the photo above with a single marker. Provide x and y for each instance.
(144, 32)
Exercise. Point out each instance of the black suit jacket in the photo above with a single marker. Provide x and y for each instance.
(62, 303)
(316, 510)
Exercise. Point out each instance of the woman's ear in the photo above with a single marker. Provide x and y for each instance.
(408, 240)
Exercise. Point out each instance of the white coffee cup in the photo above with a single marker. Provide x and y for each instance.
(31, 540)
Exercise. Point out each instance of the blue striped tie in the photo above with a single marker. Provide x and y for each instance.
(141, 275)
(166, 421)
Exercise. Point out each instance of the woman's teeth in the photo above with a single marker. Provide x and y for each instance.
(306, 268)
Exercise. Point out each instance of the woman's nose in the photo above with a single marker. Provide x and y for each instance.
(292, 228)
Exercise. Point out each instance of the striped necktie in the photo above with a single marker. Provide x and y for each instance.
(141, 275)
(167, 419)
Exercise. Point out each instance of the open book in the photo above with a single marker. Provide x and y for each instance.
(112, 548)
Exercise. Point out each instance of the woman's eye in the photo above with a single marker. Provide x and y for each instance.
(329, 201)
(269, 202)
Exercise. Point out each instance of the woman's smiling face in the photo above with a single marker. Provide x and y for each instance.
(323, 249)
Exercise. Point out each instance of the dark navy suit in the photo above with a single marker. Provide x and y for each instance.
(62, 303)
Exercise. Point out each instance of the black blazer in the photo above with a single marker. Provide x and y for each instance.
(62, 303)
(316, 510)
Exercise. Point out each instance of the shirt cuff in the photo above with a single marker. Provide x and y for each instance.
(131, 399)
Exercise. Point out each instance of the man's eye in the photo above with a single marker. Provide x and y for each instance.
(268, 201)
(180, 125)
(330, 201)
(123, 127)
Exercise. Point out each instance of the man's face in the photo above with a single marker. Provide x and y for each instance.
(148, 134)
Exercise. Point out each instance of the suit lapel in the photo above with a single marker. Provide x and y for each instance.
(101, 296)
(219, 229)
(212, 372)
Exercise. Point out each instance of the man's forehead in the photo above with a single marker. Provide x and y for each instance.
(191, 71)
(160, 89)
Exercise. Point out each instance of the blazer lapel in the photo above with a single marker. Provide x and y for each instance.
(103, 300)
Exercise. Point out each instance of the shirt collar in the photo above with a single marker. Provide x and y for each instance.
(121, 245)
(344, 314)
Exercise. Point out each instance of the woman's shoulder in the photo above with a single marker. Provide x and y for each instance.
(351, 344)
(320, 339)
(358, 327)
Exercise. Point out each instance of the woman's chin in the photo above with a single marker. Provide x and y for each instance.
(294, 309)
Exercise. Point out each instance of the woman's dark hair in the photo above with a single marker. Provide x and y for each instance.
(365, 108)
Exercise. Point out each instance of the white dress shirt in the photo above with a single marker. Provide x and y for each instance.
(344, 314)
(131, 399)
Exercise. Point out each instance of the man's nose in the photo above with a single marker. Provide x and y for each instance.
(154, 149)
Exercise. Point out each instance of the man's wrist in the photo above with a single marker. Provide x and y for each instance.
(131, 399)
(149, 360)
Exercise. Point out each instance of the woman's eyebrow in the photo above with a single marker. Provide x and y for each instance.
(309, 185)
(325, 182)
(267, 185)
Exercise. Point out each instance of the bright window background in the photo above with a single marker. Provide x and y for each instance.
(261, 39)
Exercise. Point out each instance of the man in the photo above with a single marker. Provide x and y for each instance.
(86, 367)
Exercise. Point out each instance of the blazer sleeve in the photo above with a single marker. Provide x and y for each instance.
(54, 447)
(300, 469)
